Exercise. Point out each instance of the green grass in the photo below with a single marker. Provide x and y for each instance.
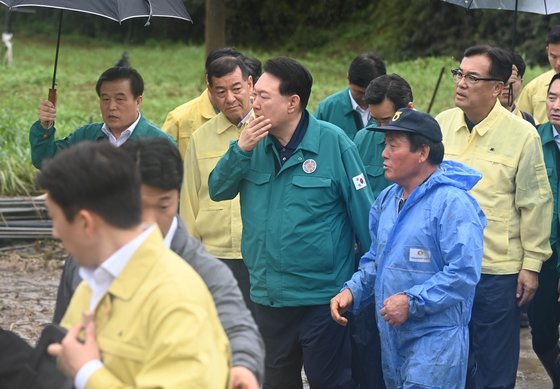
(173, 74)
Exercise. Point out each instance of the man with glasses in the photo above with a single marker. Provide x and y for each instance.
(515, 195)
(533, 97)
(384, 96)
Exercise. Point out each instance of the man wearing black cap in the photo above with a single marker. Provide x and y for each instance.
(424, 261)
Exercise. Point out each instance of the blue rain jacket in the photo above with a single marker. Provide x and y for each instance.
(431, 251)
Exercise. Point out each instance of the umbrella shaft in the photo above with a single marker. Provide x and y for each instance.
(57, 47)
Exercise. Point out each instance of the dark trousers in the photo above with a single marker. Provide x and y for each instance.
(366, 349)
(494, 333)
(241, 274)
(544, 309)
(304, 336)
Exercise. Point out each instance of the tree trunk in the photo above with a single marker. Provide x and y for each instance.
(215, 25)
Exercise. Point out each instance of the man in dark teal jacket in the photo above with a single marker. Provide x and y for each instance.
(348, 109)
(120, 97)
(544, 310)
(304, 201)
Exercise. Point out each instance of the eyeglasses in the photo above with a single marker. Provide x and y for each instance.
(470, 79)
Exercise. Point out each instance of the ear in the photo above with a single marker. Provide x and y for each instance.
(139, 101)
(498, 89)
(410, 105)
(293, 104)
(424, 151)
(87, 221)
(250, 83)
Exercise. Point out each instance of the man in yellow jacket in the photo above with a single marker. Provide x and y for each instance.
(218, 224)
(182, 121)
(515, 196)
(533, 97)
(141, 317)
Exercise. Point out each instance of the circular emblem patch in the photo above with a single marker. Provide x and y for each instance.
(309, 166)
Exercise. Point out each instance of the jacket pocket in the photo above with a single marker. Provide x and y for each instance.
(258, 178)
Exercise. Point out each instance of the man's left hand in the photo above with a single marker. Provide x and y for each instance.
(395, 309)
(527, 284)
(243, 378)
(71, 353)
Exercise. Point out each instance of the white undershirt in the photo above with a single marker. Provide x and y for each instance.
(364, 113)
(123, 137)
(100, 279)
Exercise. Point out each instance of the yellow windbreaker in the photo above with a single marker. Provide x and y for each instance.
(514, 192)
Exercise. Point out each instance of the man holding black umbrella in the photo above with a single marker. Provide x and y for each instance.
(120, 97)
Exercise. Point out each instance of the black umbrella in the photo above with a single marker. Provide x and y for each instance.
(117, 10)
(542, 7)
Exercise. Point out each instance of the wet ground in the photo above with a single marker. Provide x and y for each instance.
(29, 276)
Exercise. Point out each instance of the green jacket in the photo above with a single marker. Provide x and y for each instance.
(337, 109)
(44, 146)
(300, 225)
(550, 154)
(370, 145)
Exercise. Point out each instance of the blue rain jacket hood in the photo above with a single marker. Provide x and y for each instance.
(431, 251)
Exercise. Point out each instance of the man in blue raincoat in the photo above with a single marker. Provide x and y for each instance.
(424, 261)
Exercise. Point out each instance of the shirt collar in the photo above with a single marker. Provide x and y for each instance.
(171, 233)
(488, 122)
(244, 120)
(298, 134)
(125, 135)
(100, 278)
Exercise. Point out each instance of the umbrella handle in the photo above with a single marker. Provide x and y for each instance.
(52, 96)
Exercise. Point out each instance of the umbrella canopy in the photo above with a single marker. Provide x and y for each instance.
(543, 7)
(117, 10)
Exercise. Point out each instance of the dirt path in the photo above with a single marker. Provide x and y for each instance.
(29, 275)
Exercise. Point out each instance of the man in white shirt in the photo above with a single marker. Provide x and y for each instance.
(127, 321)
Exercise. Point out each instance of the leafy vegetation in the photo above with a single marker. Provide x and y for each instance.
(173, 74)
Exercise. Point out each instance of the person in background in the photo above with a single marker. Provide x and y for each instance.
(513, 86)
(347, 108)
(384, 95)
(120, 92)
(544, 310)
(218, 225)
(533, 97)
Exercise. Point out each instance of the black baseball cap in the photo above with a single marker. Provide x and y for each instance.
(410, 120)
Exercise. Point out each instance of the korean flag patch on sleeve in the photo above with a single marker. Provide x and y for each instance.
(359, 181)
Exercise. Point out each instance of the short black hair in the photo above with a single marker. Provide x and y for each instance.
(553, 36)
(435, 157)
(122, 73)
(96, 176)
(294, 78)
(254, 67)
(500, 60)
(224, 66)
(158, 161)
(392, 87)
(554, 78)
(519, 63)
(364, 68)
(218, 53)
